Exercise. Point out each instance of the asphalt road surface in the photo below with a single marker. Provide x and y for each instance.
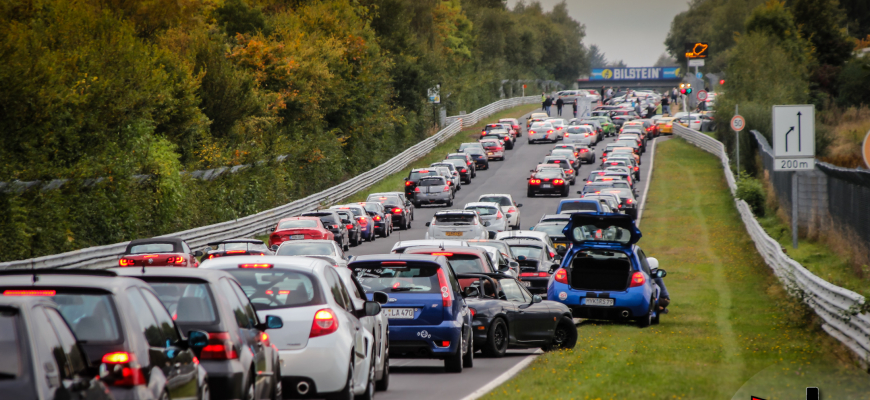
(426, 379)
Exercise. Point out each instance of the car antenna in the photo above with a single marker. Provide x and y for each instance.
(442, 246)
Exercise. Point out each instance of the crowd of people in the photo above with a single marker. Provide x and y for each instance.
(644, 104)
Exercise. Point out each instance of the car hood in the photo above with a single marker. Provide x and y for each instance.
(625, 231)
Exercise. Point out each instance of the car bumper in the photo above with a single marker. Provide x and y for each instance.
(225, 377)
(540, 189)
(633, 300)
(424, 341)
(321, 365)
(495, 154)
(427, 198)
(536, 285)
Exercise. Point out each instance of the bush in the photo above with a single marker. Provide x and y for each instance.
(752, 192)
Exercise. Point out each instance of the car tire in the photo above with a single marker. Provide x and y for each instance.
(646, 320)
(453, 362)
(529, 193)
(384, 384)
(450, 203)
(564, 193)
(564, 337)
(204, 393)
(369, 394)
(347, 392)
(468, 358)
(496, 340)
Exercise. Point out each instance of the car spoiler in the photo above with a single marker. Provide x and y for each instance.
(251, 241)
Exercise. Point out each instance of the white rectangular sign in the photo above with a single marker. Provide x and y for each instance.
(696, 62)
(794, 131)
(794, 164)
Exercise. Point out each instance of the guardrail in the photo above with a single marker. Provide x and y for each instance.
(838, 307)
(107, 256)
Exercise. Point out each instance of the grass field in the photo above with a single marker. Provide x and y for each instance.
(732, 331)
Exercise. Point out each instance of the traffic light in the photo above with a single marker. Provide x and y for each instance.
(686, 88)
(721, 81)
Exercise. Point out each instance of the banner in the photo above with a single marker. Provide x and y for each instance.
(642, 73)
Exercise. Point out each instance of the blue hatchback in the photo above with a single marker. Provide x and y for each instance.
(427, 312)
(605, 275)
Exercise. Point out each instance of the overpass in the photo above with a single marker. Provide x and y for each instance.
(635, 78)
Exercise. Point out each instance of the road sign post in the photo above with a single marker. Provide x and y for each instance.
(737, 124)
(794, 149)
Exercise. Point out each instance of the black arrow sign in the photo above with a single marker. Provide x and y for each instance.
(786, 138)
(799, 131)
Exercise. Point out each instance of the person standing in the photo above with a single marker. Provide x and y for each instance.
(543, 101)
(674, 97)
(559, 104)
(601, 94)
(547, 103)
(574, 104)
(665, 105)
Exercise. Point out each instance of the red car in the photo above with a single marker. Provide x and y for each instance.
(515, 126)
(298, 228)
(463, 259)
(159, 252)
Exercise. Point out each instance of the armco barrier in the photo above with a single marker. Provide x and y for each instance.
(838, 307)
(107, 256)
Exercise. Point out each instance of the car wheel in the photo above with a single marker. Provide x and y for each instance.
(453, 362)
(204, 393)
(417, 204)
(497, 339)
(564, 337)
(369, 394)
(383, 384)
(249, 390)
(468, 358)
(646, 320)
(529, 193)
(450, 203)
(347, 392)
(277, 387)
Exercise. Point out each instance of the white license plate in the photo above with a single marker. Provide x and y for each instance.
(547, 186)
(526, 283)
(399, 313)
(599, 302)
(297, 237)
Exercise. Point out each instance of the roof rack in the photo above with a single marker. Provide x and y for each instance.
(55, 271)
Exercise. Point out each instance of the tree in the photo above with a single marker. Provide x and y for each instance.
(820, 22)
(618, 64)
(858, 17)
(665, 61)
(596, 57)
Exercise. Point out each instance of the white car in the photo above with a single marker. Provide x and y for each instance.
(400, 247)
(531, 235)
(542, 131)
(499, 261)
(457, 224)
(490, 212)
(584, 134)
(509, 207)
(322, 345)
(327, 250)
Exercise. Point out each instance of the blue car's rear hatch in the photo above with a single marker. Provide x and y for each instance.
(603, 242)
(414, 288)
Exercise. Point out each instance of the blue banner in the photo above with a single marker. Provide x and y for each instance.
(642, 73)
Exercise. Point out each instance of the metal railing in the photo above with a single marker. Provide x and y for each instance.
(260, 223)
(838, 307)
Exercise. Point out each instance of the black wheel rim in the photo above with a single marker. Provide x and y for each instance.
(560, 336)
(498, 337)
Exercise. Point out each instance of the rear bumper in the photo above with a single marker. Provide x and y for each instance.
(322, 365)
(225, 378)
(424, 341)
(634, 300)
(538, 189)
(425, 198)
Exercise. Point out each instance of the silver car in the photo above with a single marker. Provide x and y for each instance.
(433, 190)
(452, 173)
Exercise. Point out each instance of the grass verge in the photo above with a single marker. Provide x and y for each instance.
(732, 331)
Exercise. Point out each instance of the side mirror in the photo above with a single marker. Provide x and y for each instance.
(197, 253)
(491, 235)
(349, 258)
(514, 264)
(659, 273)
(558, 257)
(381, 297)
(536, 299)
(428, 223)
(196, 340)
(274, 228)
(470, 292)
(272, 322)
(519, 205)
(486, 223)
(274, 247)
(372, 308)
(521, 258)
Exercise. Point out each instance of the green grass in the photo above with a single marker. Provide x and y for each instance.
(732, 331)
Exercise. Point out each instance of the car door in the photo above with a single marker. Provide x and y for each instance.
(182, 371)
(342, 298)
(372, 328)
(541, 321)
(51, 362)
(75, 370)
(150, 329)
(250, 337)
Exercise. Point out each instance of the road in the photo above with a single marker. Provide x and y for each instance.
(426, 379)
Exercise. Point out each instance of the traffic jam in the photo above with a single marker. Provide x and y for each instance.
(294, 315)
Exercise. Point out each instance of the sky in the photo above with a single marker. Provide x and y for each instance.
(631, 30)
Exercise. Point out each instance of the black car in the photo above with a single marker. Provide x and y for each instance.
(553, 228)
(506, 315)
(536, 262)
(464, 171)
(414, 176)
(237, 247)
(503, 136)
(159, 252)
(42, 358)
(396, 204)
(191, 296)
(478, 154)
(469, 161)
(548, 181)
(124, 329)
(383, 219)
(354, 229)
(332, 221)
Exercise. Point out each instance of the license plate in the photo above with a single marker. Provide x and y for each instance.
(399, 313)
(599, 302)
(526, 283)
(297, 237)
(453, 233)
(547, 186)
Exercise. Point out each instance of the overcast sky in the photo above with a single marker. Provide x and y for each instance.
(631, 30)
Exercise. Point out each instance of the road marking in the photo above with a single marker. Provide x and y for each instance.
(504, 377)
(652, 157)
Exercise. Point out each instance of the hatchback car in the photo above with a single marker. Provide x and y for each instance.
(397, 205)
(469, 161)
(565, 164)
(490, 212)
(582, 134)
(367, 224)
(567, 153)
(538, 260)
(509, 207)
(548, 181)
(449, 172)
(542, 131)
(159, 252)
(298, 228)
(332, 221)
(403, 245)
(494, 149)
(212, 301)
(323, 249)
(457, 224)
(553, 229)
(502, 135)
(383, 220)
(578, 205)
(237, 247)
(354, 228)
(433, 190)
(462, 168)
(479, 156)
(442, 328)
(515, 126)
(415, 175)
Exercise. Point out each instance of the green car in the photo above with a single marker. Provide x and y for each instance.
(606, 125)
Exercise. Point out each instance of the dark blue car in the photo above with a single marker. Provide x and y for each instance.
(605, 275)
(427, 312)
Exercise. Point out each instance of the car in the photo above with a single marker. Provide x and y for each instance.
(627, 203)
(509, 207)
(448, 171)
(494, 149)
(462, 168)
(692, 121)
(237, 247)
(605, 260)
(320, 343)
(536, 117)
(125, 331)
(578, 205)
(594, 122)
(433, 190)
(708, 122)
(537, 261)
(607, 127)
(383, 219)
(627, 151)
(441, 329)
(489, 212)
(548, 181)
(501, 247)
(623, 160)
(542, 131)
(298, 228)
(581, 151)
(633, 135)
(555, 217)
(457, 224)
(569, 96)
(581, 134)
(158, 252)
(567, 153)
(403, 245)
(565, 164)
(506, 315)
(559, 125)
(515, 126)
(619, 175)
(42, 358)
(501, 262)
(331, 220)
(212, 301)
(462, 259)
(468, 145)
(611, 199)
(354, 228)
(367, 224)
(502, 135)
(326, 250)
(469, 161)
(415, 175)
(553, 229)
(494, 126)
(396, 204)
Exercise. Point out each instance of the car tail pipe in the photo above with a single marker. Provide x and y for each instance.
(624, 313)
(302, 388)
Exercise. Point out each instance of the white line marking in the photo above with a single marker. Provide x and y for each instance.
(504, 377)
(652, 157)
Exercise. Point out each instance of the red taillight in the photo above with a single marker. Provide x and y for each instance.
(566, 134)
(561, 276)
(129, 373)
(531, 132)
(558, 181)
(125, 262)
(499, 215)
(584, 150)
(629, 201)
(473, 312)
(408, 183)
(120, 357)
(570, 171)
(534, 274)
(512, 210)
(324, 323)
(443, 254)
(394, 263)
(446, 297)
(550, 131)
(556, 162)
(219, 347)
(363, 220)
(178, 260)
(377, 218)
(416, 190)
(637, 279)
(255, 265)
(264, 338)
(397, 210)
(463, 170)
(29, 293)
(535, 181)
(636, 168)
(447, 188)
(236, 251)
(350, 226)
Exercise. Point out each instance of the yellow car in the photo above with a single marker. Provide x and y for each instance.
(538, 116)
(666, 125)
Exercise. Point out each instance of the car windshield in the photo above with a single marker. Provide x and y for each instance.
(497, 244)
(152, 248)
(306, 249)
(501, 200)
(432, 182)
(554, 229)
(275, 288)
(528, 251)
(415, 175)
(463, 264)
(187, 301)
(385, 200)
(10, 363)
(449, 166)
(579, 206)
(454, 219)
(483, 210)
(626, 143)
(415, 278)
(91, 316)
(475, 151)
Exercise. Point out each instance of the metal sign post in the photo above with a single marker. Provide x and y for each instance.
(794, 149)
(737, 124)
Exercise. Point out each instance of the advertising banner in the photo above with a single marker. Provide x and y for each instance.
(641, 73)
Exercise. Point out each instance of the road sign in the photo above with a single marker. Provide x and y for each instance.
(794, 137)
(699, 75)
(524, 86)
(738, 123)
(702, 95)
(696, 62)
(696, 50)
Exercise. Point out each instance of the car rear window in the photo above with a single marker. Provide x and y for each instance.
(91, 316)
(297, 223)
(241, 246)
(438, 181)
(279, 288)
(10, 363)
(565, 152)
(152, 248)
(385, 200)
(549, 173)
(454, 219)
(488, 144)
(483, 210)
(606, 234)
(466, 264)
(579, 206)
(187, 301)
(419, 174)
(533, 252)
(552, 229)
(501, 200)
(372, 207)
(413, 277)
(306, 249)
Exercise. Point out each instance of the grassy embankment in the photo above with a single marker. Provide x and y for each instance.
(732, 331)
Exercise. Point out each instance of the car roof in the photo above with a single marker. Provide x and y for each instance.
(557, 216)
(456, 211)
(398, 257)
(170, 272)
(428, 242)
(25, 302)
(468, 250)
(578, 200)
(495, 194)
(252, 241)
(174, 240)
(86, 279)
(482, 204)
(513, 234)
(283, 262)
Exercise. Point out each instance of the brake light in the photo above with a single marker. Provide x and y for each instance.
(535, 181)
(629, 201)
(499, 215)
(417, 190)
(235, 251)
(377, 218)
(566, 134)
(531, 132)
(178, 260)
(219, 347)
(637, 279)
(397, 210)
(424, 171)
(570, 171)
(446, 297)
(129, 373)
(255, 266)
(324, 323)
(473, 312)
(534, 274)
(125, 262)
(584, 150)
(512, 210)
(558, 181)
(363, 220)
(446, 188)
(443, 254)
(550, 131)
(556, 162)
(408, 183)
(350, 226)
(264, 337)
(120, 357)
(393, 263)
(463, 170)
(561, 276)
(636, 168)
(29, 293)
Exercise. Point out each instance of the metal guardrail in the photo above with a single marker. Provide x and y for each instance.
(107, 256)
(838, 307)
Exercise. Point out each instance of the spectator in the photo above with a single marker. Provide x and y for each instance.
(543, 101)
(665, 105)
(547, 103)
(559, 104)
(574, 104)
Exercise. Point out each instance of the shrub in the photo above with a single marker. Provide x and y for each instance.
(752, 192)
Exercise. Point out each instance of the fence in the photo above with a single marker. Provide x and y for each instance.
(837, 307)
(107, 256)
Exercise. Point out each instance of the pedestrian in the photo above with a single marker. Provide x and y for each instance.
(665, 105)
(609, 93)
(601, 93)
(547, 103)
(574, 104)
(637, 109)
(543, 101)
(651, 109)
(559, 104)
